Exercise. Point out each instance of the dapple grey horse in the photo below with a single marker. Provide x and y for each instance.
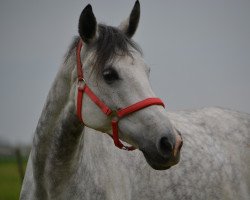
(74, 160)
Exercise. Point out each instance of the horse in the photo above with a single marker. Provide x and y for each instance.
(102, 93)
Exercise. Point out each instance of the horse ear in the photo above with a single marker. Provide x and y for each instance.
(87, 25)
(130, 25)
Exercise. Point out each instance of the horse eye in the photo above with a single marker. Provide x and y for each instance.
(110, 75)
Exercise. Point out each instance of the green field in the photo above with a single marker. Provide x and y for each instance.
(10, 183)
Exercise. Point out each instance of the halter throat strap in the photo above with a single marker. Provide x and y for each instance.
(117, 114)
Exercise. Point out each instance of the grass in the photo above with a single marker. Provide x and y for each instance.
(10, 182)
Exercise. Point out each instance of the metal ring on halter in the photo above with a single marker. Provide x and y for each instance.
(115, 115)
(81, 79)
(79, 83)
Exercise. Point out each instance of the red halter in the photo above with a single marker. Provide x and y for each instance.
(118, 114)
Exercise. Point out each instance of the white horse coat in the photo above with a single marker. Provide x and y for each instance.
(68, 160)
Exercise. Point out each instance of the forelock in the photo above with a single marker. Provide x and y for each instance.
(110, 44)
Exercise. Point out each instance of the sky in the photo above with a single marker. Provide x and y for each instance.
(198, 51)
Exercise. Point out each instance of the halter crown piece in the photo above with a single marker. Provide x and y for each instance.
(83, 88)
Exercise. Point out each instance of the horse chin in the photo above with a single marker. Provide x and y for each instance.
(161, 164)
(159, 167)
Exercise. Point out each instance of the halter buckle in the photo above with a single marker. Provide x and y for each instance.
(125, 148)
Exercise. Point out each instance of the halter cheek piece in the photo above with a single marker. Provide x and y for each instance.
(118, 114)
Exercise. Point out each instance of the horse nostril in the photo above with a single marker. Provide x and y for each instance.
(181, 143)
(165, 147)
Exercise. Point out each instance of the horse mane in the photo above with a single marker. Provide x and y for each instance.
(111, 42)
(72, 48)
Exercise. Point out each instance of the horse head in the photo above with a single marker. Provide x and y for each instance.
(115, 71)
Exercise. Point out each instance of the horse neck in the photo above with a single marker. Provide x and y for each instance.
(58, 133)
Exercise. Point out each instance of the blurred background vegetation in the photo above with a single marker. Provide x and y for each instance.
(13, 160)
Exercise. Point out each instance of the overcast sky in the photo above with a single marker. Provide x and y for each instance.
(198, 50)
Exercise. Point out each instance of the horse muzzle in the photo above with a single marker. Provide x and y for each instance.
(165, 153)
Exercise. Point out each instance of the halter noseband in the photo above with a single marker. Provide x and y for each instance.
(118, 114)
